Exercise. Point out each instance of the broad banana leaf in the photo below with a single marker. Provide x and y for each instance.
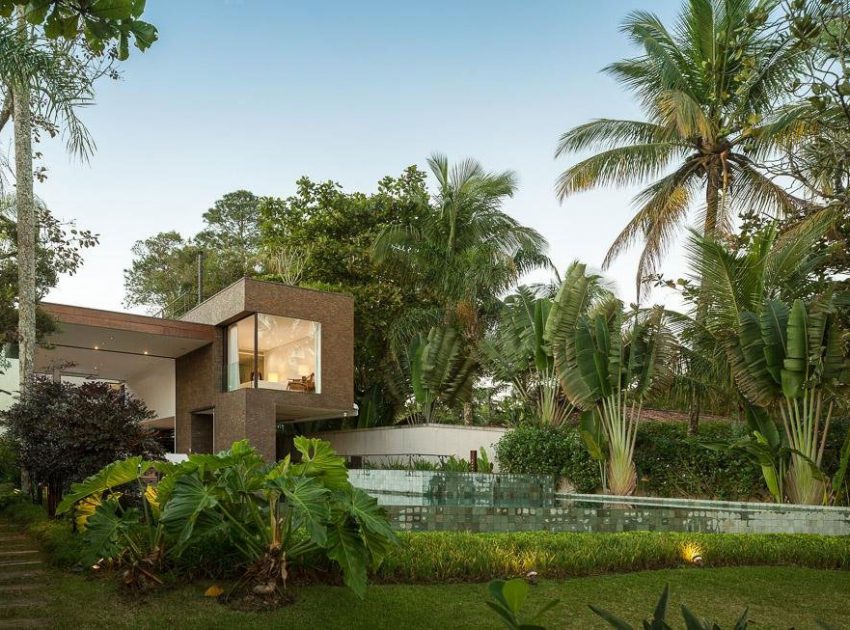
(794, 371)
(774, 324)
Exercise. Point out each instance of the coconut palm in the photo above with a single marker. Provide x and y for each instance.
(463, 249)
(705, 87)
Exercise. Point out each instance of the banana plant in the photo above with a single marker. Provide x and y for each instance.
(517, 352)
(439, 371)
(792, 362)
(609, 361)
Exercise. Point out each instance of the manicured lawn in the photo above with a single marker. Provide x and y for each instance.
(778, 598)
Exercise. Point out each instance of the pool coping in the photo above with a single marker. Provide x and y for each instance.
(707, 504)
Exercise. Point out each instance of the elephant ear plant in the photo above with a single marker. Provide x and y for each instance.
(609, 361)
(792, 362)
(273, 515)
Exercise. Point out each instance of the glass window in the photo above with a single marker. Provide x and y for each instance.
(287, 355)
(240, 354)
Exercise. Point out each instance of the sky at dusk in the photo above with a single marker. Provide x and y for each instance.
(254, 94)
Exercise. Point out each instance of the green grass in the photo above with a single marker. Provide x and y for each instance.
(778, 598)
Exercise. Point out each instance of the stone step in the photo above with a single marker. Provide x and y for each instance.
(22, 624)
(20, 587)
(11, 577)
(22, 603)
(12, 554)
(11, 565)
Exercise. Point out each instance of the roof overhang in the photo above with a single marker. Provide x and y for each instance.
(110, 345)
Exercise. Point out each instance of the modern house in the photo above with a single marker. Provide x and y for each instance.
(249, 362)
(252, 357)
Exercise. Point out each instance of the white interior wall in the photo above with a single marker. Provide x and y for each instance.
(423, 440)
(156, 387)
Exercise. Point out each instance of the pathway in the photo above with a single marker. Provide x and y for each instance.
(22, 581)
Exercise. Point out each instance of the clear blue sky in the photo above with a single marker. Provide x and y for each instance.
(256, 93)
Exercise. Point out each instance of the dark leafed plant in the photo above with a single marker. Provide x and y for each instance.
(274, 515)
(609, 361)
(658, 621)
(66, 432)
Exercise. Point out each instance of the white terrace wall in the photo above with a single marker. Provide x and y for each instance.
(426, 441)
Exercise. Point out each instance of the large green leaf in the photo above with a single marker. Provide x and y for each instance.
(347, 549)
(106, 532)
(371, 518)
(310, 502)
(774, 323)
(795, 366)
(109, 477)
(112, 9)
(318, 459)
(191, 502)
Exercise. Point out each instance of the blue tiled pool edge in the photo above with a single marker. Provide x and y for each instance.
(428, 501)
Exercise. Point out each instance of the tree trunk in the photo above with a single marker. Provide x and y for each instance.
(25, 205)
(468, 415)
(712, 205)
(694, 412)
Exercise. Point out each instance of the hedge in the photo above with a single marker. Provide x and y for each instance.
(669, 462)
(473, 557)
(425, 557)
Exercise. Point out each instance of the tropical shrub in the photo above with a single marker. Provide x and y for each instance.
(65, 432)
(609, 362)
(548, 450)
(273, 515)
(671, 463)
(518, 353)
(441, 557)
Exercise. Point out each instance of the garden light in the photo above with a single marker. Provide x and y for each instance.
(692, 553)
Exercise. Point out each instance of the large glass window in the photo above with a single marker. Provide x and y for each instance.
(274, 352)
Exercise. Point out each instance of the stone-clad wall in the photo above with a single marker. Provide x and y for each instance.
(429, 501)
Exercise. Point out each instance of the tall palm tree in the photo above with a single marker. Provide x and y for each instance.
(705, 86)
(46, 81)
(463, 250)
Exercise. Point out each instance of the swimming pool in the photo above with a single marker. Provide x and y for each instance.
(430, 501)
